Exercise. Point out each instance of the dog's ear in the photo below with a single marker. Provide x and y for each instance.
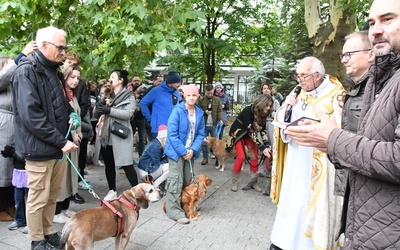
(208, 182)
(141, 198)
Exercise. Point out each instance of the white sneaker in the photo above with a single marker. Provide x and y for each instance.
(82, 186)
(212, 156)
(60, 218)
(100, 163)
(68, 213)
(111, 195)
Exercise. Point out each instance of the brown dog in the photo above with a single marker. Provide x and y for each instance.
(218, 147)
(94, 224)
(192, 194)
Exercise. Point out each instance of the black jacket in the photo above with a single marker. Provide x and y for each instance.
(243, 127)
(41, 110)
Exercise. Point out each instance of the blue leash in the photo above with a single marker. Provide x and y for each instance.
(218, 130)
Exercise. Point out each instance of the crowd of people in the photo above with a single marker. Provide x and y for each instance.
(333, 160)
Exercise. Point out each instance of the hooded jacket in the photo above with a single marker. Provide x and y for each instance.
(162, 100)
(372, 199)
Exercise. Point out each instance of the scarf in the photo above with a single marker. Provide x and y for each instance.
(105, 126)
(220, 94)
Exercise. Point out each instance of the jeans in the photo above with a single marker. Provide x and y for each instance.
(140, 124)
(20, 195)
(209, 130)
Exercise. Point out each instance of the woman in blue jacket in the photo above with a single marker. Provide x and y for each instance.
(185, 137)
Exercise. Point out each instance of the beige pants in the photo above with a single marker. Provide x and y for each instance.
(45, 179)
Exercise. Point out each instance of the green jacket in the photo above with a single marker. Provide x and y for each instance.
(216, 108)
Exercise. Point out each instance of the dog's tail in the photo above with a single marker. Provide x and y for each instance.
(64, 235)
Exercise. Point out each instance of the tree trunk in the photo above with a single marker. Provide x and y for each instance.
(327, 38)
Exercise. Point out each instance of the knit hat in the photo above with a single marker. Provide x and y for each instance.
(162, 131)
(190, 89)
(218, 85)
(173, 77)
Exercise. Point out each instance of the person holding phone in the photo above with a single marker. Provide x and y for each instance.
(308, 214)
(212, 108)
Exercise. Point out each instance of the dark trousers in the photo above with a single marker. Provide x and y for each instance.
(6, 198)
(140, 125)
(62, 205)
(108, 157)
(82, 157)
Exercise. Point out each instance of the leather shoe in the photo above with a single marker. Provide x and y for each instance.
(77, 199)
(204, 161)
(273, 247)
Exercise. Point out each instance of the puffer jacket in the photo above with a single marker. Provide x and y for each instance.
(373, 159)
(179, 129)
(350, 117)
(40, 108)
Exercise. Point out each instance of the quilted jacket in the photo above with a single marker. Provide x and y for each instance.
(351, 115)
(373, 159)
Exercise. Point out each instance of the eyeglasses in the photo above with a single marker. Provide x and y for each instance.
(59, 47)
(347, 55)
(300, 78)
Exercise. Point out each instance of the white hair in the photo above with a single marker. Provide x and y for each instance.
(317, 65)
(48, 34)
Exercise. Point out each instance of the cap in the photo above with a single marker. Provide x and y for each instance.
(162, 131)
(190, 89)
(173, 77)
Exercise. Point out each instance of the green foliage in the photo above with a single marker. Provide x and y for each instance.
(107, 34)
(234, 33)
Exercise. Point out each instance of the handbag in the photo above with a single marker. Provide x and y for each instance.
(119, 130)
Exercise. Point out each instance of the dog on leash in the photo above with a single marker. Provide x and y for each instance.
(95, 224)
(191, 196)
(218, 148)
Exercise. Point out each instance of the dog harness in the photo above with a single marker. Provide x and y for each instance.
(117, 214)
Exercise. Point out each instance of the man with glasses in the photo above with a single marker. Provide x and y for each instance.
(302, 177)
(357, 57)
(41, 116)
(372, 155)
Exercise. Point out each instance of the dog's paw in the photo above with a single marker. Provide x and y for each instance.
(193, 218)
(222, 169)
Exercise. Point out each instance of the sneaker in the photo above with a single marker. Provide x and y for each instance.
(54, 239)
(60, 218)
(212, 156)
(183, 221)
(25, 230)
(111, 195)
(82, 185)
(68, 213)
(39, 245)
(14, 226)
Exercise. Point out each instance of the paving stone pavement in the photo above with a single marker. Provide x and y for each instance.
(240, 220)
